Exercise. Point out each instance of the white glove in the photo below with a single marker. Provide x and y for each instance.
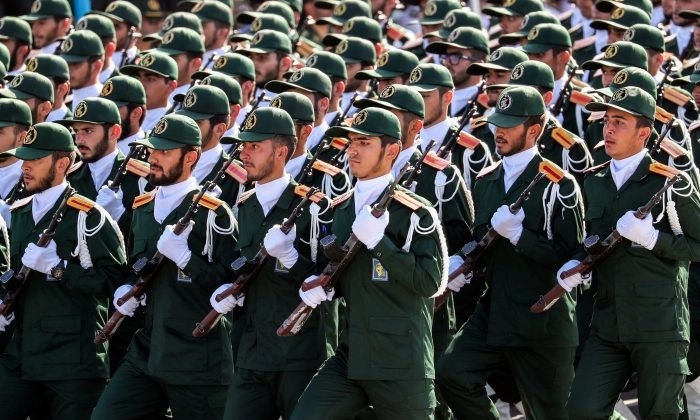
(316, 295)
(571, 282)
(507, 224)
(111, 201)
(281, 246)
(5, 321)
(228, 303)
(458, 282)
(129, 307)
(5, 212)
(41, 259)
(640, 231)
(174, 247)
(369, 229)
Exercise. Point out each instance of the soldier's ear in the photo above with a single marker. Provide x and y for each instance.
(548, 96)
(338, 88)
(234, 111)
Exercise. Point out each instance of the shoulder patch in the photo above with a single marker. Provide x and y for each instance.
(435, 161)
(339, 143)
(301, 190)
(583, 43)
(468, 141)
(210, 202)
(565, 138)
(81, 203)
(597, 168)
(138, 167)
(21, 203)
(662, 115)
(326, 167)
(342, 197)
(407, 200)
(478, 122)
(237, 172)
(673, 149)
(487, 170)
(245, 196)
(143, 199)
(661, 169)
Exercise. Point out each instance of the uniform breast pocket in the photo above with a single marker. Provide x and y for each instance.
(58, 339)
(654, 306)
(390, 342)
(594, 220)
(529, 325)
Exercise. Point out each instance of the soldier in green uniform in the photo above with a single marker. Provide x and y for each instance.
(333, 66)
(434, 13)
(85, 55)
(385, 357)
(393, 67)
(640, 319)
(538, 348)
(15, 120)
(55, 68)
(234, 95)
(51, 22)
(16, 35)
(165, 365)
(126, 17)
(51, 361)
(130, 97)
(35, 90)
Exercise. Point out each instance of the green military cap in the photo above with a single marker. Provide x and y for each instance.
(42, 140)
(515, 105)
(231, 64)
(172, 131)
(296, 5)
(436, 10)
(515, 8)
(15, 28)
(154, 62)
(529, 73)
(176, 20)
(465, 37)
(456, 19)
(50, 65)
(181, 40)
(630, 76)
(428, 76)
(400, 97)
(29, 85)
(42, 9)
(503, 59)
(392, 63)
(345, 10)
(203, 102)
(4, 55)
(647, 36)
(212, 10)
(305, 79)
(374, 122)
(330, 63)
(622, 18)
(81, 46)
(266, 41)
(94, 111)
(229, 85)
(690, 79)
(124, 90)
(122, 11)
(100, 25)
(689, 14)
(14, 112)
(298, 106)
(150, 9)
(355, 50)
(189, 4)
(265, 123)
(632, 100)
(619, 55)
(529, 21)
(546, 36)
(273, 7)
(608, 6)
(359, 26)
(264, 21)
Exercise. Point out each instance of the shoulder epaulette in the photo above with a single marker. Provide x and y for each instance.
(246, 195)
(676, 95)
(21, 202)
(583, 43)
(143, 199)
(580, 98)
(478, 122)
(487, 170)
(595, 169)
(692, 127)
(664, 170)
(301, 190)
(673, 149)
(74, 167)
(237, 172)
(326, 167)
(210, 202)
(562, 136)
(339, 143)
(407, 200)
(662, 115)
(138, 167)
(435, 161)
(342, 197)
(597, 115)
(80, 203)
(468, 141)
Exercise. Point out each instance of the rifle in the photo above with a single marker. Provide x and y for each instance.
(450, 140)
(340, 116)
(145, 269)
(656, 148)
(558, 107)
(16, 191)
(597, 250)
(247, 270)
(14, 282)
(340, 259)
(122, 171)
(307, 171)
(473, 252)
(667, 68)
(418, 166)
(129, 39)
(255, 104)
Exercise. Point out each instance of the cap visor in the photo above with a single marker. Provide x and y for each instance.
(331, 21)
(376, 74)
(483, 68)
(248, 51)
(249, 136)
(240, 37)
(133, 70)
(156, 36)
(69, 121)
(279, 86)
(603, 106)
(27, 153)
(497, 11)
(689, 14)
(331, 40)
(605, 91)
(14, 94)
(532, 48)
(424, 87)
(366, 103)
(8, 123)
(596, 64)
(158, 143)
(343, 131)
(169, 51)
(606, 6)
(440, 47)
(247, 17)
(70, 58)
(34, 16)
(198, 75)
(505, 121)
(194, 115)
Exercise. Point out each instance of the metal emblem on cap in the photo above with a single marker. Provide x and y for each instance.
(312, 61)
(296, 76)
(36, 6)
(383, 59)
(168, 38)
(611, 51)
(495, 56)
(453, 35)
(31, 135)
(197, 7)
(154, 4)
(617, 13)
(508, 3)
(504, 102)
(339, 9)
(250, 122)
(256, 39)
(190, 100)
(263, 7)
(534, 32)
(67, 45)
(32, 64)
(168, 23)
(276, 103)
(82, 24)
(517, 72)
(388, 92)
(450, 21)
(430, 8)
(620, 94)
(107, 89)
(148, 60)
(111, 7)
(360, 118)
(621, 77)
(415, 76)
(220, 62)
(206, 81)
(256, 25)
(161, 127)
(342, 47)
(347, 26)
(628, 35)
(81, 109)
(17, 80)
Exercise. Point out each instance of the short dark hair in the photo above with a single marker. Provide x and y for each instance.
(190, 148)
(219, 119)
(19, 127)
(59, 154)
(643, 122)
(290, 142)
(536, 119)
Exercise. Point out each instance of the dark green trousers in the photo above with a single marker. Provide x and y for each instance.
(265, 395)
(132, 394)
(605, 368)
(543, 375)
(331, 395)
(57, 400)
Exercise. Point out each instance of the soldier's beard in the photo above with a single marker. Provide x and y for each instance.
(100, 150)
(43, 183)
(168, 177)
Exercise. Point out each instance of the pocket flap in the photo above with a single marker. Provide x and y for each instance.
(594, 212)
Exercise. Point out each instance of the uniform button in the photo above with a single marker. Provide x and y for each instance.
(378, 254)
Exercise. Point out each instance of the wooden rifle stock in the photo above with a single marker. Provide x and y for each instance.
(14, 282)
(330, 274)
(597, 251)
(249, 270)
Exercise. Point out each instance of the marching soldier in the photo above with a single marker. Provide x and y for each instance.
(512, 14)
(358, 54)
(126, 18)
(129, 96)
(437, 89)
(434, 14)
(186, 47)
(84, 53)
(16, 35)
(234, 95)
(55, 68)
(16, 119)
(103, 28)
(173, 20)
(531, 20)
(35, 90)
(216, 25)
(333, 66)
(51, 22)
(393, 68)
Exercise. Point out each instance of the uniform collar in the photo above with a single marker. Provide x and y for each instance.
(206, 162)
(168, 197)
(368, 191)
(268, 193)
(101, 169)
(44, 201)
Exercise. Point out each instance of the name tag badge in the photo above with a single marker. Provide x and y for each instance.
(378, 271)
(182, 277)
(279, 268)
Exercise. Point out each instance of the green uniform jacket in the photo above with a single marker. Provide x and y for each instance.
(389, 312)
(578, 157)
(56, 321)
(641, 293)
(516, 276)
(230, 188)
(178, 299)
(481, 157)
(340, 183)
(274, 293)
